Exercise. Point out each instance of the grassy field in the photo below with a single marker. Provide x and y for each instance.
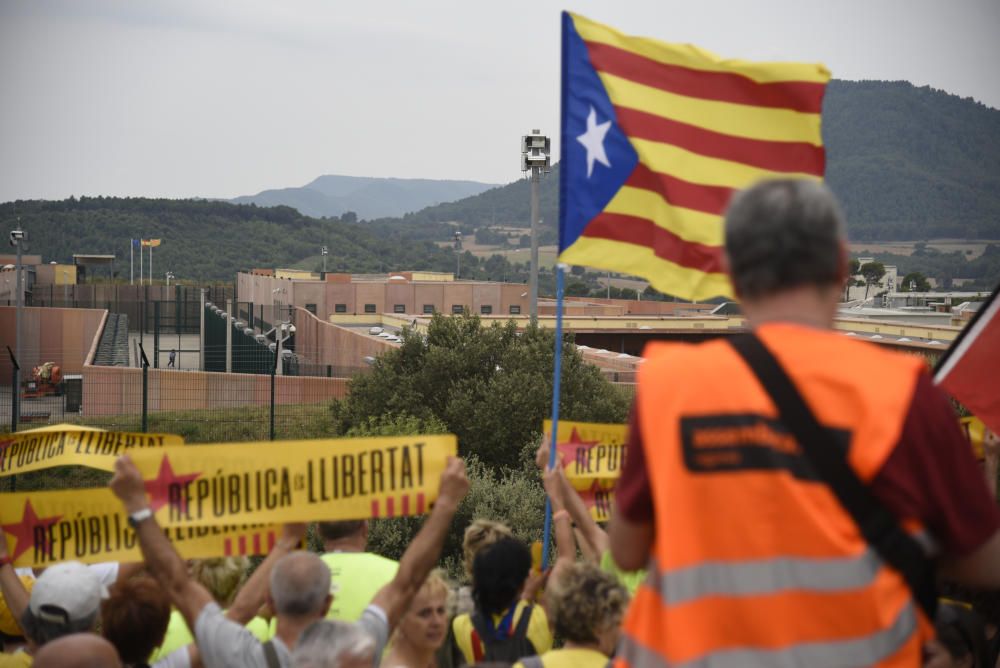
(971, 249)
(216, 425)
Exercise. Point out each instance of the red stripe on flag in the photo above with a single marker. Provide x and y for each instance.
(374, 507)
(776, 156)
(390, 507)
(406, 504)
(243, 544)
(972, 366)
(665, 244)
(801, 96)
(678, 192)
(227, 547)
(256, 543)
(420, 503)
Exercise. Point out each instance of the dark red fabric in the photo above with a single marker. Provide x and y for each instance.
(931, 475)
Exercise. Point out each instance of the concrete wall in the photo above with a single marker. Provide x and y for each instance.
(118, 390)
(55, 274)
(443, 295)
(60, 335)
(325, 343)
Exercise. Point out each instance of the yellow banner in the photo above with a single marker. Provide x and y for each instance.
(975, 431)
(294, 481)
(68, 444)
(214, 500)
(593, 455)
(91, 526)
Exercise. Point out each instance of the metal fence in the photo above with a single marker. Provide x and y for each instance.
(201, 406)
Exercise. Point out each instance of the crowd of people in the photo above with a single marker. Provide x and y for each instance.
(731, 543)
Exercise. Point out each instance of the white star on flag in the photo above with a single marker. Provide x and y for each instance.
(593, 141)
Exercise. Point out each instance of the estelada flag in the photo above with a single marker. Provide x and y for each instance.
(655, 139)
(970, 369)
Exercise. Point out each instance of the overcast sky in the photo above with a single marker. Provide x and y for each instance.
(218, 99)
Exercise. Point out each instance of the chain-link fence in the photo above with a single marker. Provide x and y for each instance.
(229, 389)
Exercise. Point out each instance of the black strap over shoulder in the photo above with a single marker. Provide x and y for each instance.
(271, 655)
(879, 526)
(521, 630)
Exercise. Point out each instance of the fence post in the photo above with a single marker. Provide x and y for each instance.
(15, 390)
(156, 334)
(145, 389)
(274, 368)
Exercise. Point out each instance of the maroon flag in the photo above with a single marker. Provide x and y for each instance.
(970, 370)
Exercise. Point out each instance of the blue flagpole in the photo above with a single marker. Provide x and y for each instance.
(555, 408)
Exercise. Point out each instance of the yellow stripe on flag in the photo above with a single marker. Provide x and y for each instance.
(694, 226)
(687, 55)
(663, 275)
(738, 120)
(694, 168)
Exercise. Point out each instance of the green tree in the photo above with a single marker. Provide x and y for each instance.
(917, 280)
(853, 268)
(873, 273)
(490, 386)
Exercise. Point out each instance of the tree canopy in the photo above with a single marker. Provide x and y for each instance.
(489, 385)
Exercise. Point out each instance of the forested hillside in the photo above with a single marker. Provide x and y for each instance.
(204, 240)
(906, 162)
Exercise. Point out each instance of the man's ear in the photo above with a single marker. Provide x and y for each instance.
(327, 602)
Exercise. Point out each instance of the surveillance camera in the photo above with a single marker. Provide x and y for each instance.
(17, 236)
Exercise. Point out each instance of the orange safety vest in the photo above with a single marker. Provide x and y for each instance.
(754, 561)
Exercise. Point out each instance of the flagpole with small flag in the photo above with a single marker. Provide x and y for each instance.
(131, 261)
(142, 242)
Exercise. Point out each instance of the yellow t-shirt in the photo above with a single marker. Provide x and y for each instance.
(628, 579)
(538, 630)
(571, 658)
(18, 659)
(355, 578)
(178, 635)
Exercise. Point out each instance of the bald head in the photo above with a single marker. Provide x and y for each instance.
(300, 585)
(80, 650)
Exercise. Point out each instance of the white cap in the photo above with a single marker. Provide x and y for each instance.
(67, 592)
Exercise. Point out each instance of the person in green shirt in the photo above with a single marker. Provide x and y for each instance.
(355, 575)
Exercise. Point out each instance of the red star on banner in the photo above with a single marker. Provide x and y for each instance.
(23, 532)
(159, 488)
(567, 451)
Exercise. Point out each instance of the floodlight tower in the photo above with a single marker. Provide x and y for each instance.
(535, 148)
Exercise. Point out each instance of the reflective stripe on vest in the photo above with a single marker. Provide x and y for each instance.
(855, 652)
(765, 576)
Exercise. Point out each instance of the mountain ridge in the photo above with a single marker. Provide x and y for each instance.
(332, 195)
